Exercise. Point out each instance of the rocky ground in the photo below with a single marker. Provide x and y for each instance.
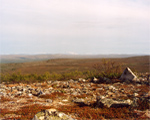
(76, 99)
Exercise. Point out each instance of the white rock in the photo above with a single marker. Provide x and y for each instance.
(60, 115)
(41, 118)
(135, 94)
(65, 100)
(30, 95)
(111, 87)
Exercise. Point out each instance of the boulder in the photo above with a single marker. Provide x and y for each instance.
(143, 114)
(51, 114)
(128, 75)
(37, 92)
(103, 101)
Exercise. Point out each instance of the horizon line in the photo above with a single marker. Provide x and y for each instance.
(76, 54)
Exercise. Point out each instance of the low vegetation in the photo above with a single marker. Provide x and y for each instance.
(25, 112)
(108, 69)
(87, 112)
(52, 96)
(4, 99)
(63, 70)
(30, 78)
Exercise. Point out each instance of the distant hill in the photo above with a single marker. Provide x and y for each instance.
(40, 57)
(136, 64)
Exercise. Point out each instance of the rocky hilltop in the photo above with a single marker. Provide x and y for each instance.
(103, 98)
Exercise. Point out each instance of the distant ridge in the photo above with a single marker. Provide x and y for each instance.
(39, 57)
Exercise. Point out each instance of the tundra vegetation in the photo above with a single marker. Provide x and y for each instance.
(64, 70)
(107, 68)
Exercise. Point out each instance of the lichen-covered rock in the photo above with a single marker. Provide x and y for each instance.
(51, 114)
(103, 101)
(37, 92)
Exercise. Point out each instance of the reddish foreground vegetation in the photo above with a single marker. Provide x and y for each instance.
(79, 112)
(26, 112)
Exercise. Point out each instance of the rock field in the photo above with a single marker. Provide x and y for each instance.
(56, 96)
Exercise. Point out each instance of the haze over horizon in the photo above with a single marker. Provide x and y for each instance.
(75, 27)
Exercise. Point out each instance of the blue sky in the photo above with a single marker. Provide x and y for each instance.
(75, 26)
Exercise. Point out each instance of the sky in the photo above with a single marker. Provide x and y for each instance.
(74, 26)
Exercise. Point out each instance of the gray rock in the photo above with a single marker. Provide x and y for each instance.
(99, 89)
(37, 92)
(49, 100)
(3, 87)
(75, 93)
(128, 75)
(2, 93)
(102, 101)
(19, 88)
(51, 114)
(78, 100)
(111, 87)
(19, 93)
(82, 80)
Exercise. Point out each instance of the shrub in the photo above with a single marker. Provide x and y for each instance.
(108, 69)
